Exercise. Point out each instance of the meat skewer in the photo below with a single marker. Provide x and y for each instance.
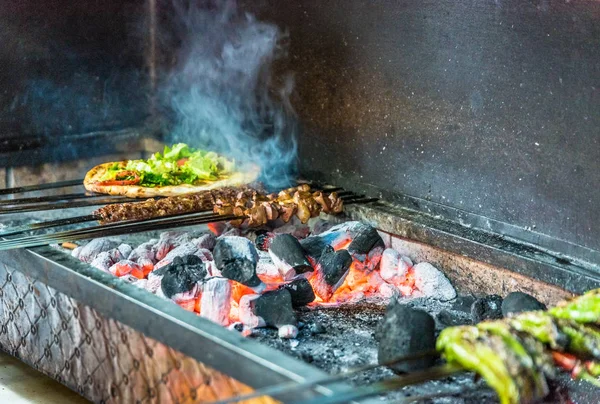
(249, 202)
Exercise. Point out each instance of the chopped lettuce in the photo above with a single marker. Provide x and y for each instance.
(178, 164)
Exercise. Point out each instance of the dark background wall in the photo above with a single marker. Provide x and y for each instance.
(489, 106)
(69, 67)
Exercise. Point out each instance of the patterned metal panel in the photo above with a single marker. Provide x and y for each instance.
(102, 359)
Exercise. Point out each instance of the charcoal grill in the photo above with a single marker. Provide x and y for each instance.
(474, 124)
(112, 342)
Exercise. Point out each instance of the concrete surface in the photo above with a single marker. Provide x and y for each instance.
(21, 384)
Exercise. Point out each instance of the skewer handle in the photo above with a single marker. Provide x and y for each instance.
(38, 187)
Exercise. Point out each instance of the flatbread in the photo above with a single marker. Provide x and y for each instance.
(93, 176)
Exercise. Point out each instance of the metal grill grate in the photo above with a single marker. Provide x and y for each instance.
(102, 359)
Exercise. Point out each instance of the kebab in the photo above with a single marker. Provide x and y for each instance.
(258, 207)
(516, 355)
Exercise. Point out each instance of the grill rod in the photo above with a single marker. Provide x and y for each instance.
(291, 387)
(39, 187)
(65, 205)
(348, 196)
(385, 386)
(115, 229)
(127, 227)
(48, 198)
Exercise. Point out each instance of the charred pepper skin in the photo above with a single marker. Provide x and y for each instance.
(582, 309)
(502, 358)
(567, 335)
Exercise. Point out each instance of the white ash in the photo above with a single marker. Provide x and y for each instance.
(286, 271)
(388, 291)
(432, 282)
(212, 269)
(388, 267)
(246, 312)
(188, 248)
(141, 283)
(215, 303)
(76, 251)
(145, 250)
(265, 266)
(154, 283)
(204, 254)
(125, 250)
(394, 266)
(287, 331)
(297, 230)
(240, 247)
(103, 261)
(186, 296)
(95, 247)
(205, 241)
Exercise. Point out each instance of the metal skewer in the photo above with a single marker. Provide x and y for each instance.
(48, 198)
(64, 205)
(114, 229)
(38, 187)
(350, 199)
(127, 227)
(435, 373)
(49, 224)
(290, 387)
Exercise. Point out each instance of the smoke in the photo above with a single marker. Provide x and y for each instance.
(221, 94)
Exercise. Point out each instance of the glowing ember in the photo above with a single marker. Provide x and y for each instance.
(346, 264)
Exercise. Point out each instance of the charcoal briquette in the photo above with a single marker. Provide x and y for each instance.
(288, 255)
(236, 258)
(181, 275)
(405, 331)
(313, 247)
(334, 264)
(517, 302)
(366, 239)
(486, 308)
(275, 308)
(301, 292)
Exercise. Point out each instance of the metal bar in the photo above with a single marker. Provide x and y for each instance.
(97, 231)
(46, 225)
(246, 360)
(38, 187)
(288, 388)
(447, 393)
(352, 199)
(49, 198)
(385, 386)
(9, 179)
(113, 229)
(64, 205)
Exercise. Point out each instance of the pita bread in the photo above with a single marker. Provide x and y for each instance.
(92, 179)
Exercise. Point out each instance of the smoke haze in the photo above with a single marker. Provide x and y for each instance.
(220, 94)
